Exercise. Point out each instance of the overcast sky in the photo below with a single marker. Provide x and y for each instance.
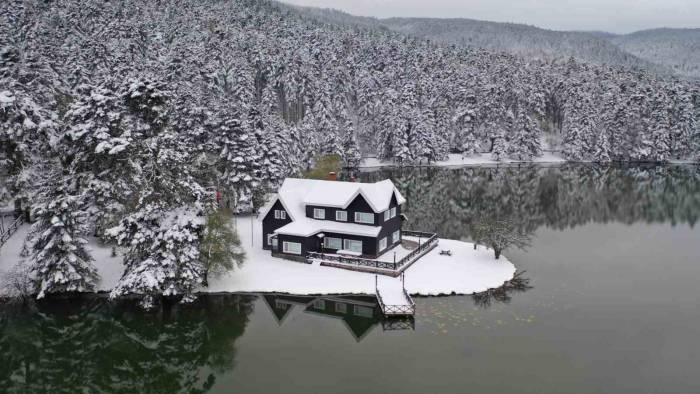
(619, 16)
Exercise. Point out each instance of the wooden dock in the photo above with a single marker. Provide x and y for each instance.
(393, 298)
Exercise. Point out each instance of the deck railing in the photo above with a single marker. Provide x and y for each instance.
(359, 261)
(11, 229)
(430, 240)
(396, 310)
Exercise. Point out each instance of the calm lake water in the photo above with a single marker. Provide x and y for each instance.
(614, 306)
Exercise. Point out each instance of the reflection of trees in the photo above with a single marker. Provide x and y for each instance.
(503, 294)
(450, 201)
(88, 345)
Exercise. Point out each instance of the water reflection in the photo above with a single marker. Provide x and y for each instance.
(359, 314)
(503, 294)
(91, 345)
(453, 201)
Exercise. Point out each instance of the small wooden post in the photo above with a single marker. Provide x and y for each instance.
(376, 284)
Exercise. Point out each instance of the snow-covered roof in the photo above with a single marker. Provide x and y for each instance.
(296, 193)
(341, 194)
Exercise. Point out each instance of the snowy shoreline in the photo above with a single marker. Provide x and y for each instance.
(456, 160)
(467, 271)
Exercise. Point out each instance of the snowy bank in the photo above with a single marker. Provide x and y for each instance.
(456, 160)
(466, 271)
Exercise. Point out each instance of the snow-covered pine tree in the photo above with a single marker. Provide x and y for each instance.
(59, 260)
(351, 151)
(601, 150)
(660, 133)
(239, 161)
(465, 121)
(525, 140)
(501, 136)
(162, 258)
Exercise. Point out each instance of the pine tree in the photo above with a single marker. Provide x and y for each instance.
(525, 142)
(163, 256)
(59, 258)
(351, 151)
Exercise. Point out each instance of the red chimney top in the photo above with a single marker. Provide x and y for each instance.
(332, 176)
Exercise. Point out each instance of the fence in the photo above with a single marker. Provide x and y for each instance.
(11, 229)
(431, 239)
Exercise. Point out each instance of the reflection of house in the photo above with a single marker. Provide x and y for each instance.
(282, 305)
(306, 215)
(359, 314)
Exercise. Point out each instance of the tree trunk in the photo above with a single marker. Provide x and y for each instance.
(497, 252)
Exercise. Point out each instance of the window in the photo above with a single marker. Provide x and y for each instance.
(333, 243)
(364, 217)
(291, 247)
(319, 213)
(341, 307)
(362, 311)
(393, 212)
(353, 246)
(280, 214)
(387, 215)
(341, 216)
(320, 304)
(396, 237)
(382, 243)
(272, 240)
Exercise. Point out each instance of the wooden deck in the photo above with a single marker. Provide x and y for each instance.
(393, 298)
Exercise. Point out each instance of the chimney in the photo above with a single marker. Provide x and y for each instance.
(332, 176)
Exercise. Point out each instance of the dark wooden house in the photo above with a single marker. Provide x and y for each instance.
(351, 218)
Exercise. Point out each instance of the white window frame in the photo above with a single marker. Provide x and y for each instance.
(327, 245)
(269, 239)
(382, 243)
(347, 242)
(396, 236)
(341, 307)
(285, 247)
(393, 212)
(358, 215)
(341, 216)
(387, 215)
(280, 214)
(319, 213)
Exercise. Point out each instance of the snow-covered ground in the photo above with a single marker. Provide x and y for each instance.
(456, 160)
(109, 267)
(465, 272)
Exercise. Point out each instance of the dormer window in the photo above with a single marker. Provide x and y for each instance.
(364, 217)
(280, 214)
(341, 216)
(387, 215)
(319, 213)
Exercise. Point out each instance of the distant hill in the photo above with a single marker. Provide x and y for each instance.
(677, 49)
(524, 40)
(663, 51)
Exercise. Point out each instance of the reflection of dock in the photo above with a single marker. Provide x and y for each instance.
(359, 314)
